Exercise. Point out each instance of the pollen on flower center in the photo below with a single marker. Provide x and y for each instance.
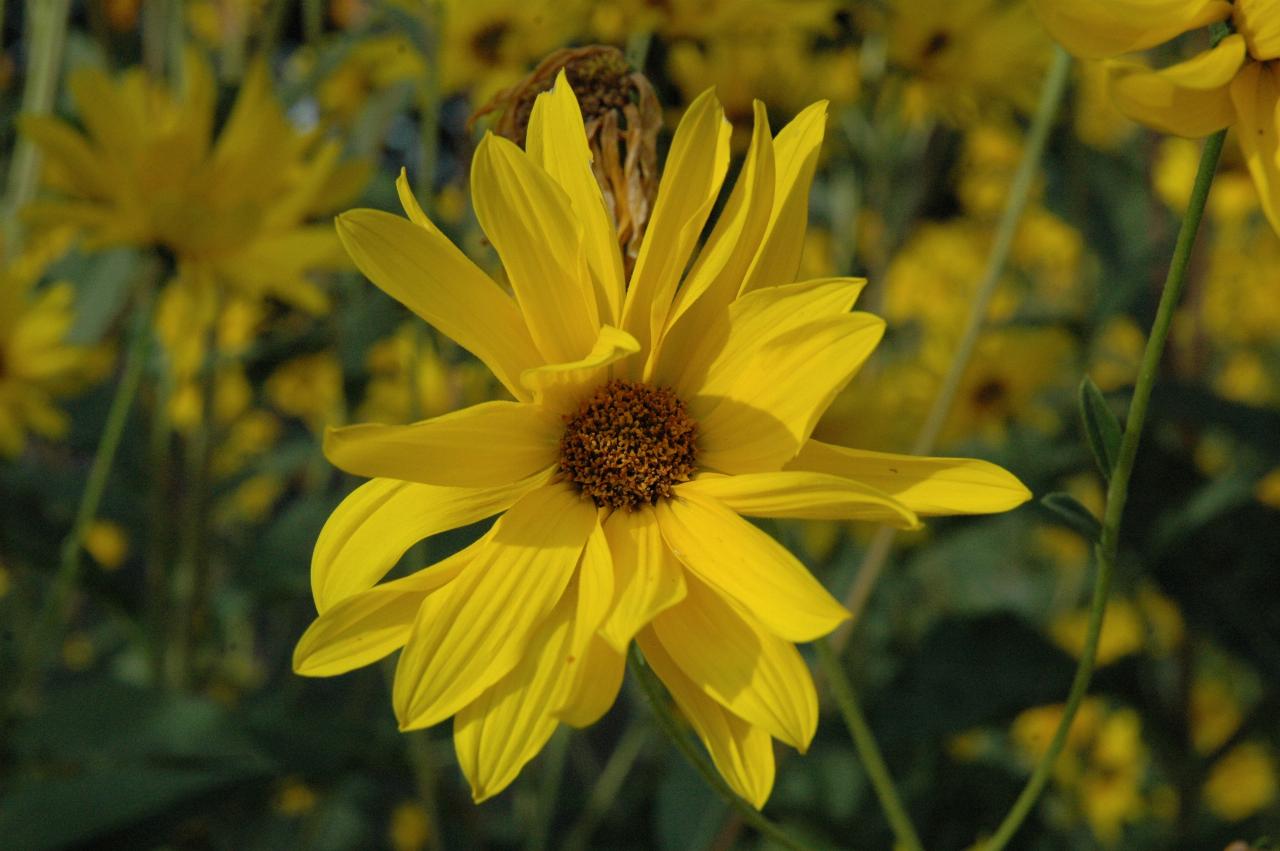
(628, 444)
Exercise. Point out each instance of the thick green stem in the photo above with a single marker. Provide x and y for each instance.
(670, 726)
(54, 612)
(1118, 489)
(865, 743)
(1055, 85)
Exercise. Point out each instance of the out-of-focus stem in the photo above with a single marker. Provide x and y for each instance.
(1019, 194)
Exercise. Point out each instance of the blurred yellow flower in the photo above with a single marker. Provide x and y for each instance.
(37, 363)
(410, 380)
(1242, 782)
(233, 211)
(78, 651)
(309, 388)
(1123, 632)
(647, 418)
(294, 798)
(1235, 83)
(1115, 353)
(107, 543)
(1268, 489)
(410, 827)
(486, 45)
(1214, 713)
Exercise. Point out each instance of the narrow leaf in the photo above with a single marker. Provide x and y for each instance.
(1101, 427)
(1070, 512)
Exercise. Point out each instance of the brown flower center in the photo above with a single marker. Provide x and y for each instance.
(628, 445)
(600, 79)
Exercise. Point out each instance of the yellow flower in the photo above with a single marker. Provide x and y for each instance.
(147, 171)
(1235, 83)
(107, 543)
(646, 417)
(410, 827)
(294, 798)
(1242, 782)
(488, 44)
(37, 363)
(310, 388)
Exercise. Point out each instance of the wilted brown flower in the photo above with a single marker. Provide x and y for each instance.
(622, 118)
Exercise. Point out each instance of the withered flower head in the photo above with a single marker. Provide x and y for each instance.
(622, 118)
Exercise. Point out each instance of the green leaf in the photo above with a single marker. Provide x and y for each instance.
(1101, 428)
(1069, 510)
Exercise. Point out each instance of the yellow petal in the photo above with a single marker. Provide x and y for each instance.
(425, 272)
(1256, 95)
(368, 625)
(749, 567)
(781, 390)
(928, 486)
(486, 445)
(561, 386)
(594, 589)
(646, 577)
(557, 141)
(709, 363)
(741, 752)
(778, 259)
(1187, 99)
(1097, 29)
(752, 673)
(410, 204)
(496, 734)
(531, 223)
(802, 495)
(1259, 22)
(691, 181)
(722, 264)
(476, 630)
(69, 150)
(596, 686)
(379, 521)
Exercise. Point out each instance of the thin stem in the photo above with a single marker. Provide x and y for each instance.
(607, 786)
(1118, 489)
(47, 30)
(865, 743)
(1019, 195)
(539, 836)
(54, 611)
(670, 727)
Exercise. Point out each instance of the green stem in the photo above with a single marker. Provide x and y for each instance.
(46, 32)
(654, 694)
(539, 836)
(877, 556)
(865, 743)
(1118, 489)
(56, 603)
(607, 786)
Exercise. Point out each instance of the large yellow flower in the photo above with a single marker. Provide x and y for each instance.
(646, 417)
(1235, 83)
(233, 211)
(37, 363)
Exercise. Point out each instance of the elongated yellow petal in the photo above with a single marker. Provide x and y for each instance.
(928, 486)
(560, 386)
(1256, 95)
(596, 686)
(803, 495)
(778, 258)
(368, 625)
(501, 730)
(1259, 22)
(646, 578)
(722, 264)
(691, 181)
(752, 673)
(475, 631)
(709, 363)
(594, 589)
(557, 141)
(425, 272)
(742, 752)
(784, 386)
(1098, 29)
(486, 445)
(1188, 99)
(749, 567)
(379, 521)
(69, 151)
(531, 223)
(410, 204)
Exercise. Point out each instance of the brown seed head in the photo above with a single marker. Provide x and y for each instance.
(628, 445)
